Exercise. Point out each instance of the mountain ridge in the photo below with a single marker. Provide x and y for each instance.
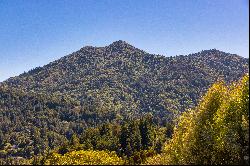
(122, 43)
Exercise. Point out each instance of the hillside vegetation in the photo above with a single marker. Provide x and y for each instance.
(214, 132)
(123, 79)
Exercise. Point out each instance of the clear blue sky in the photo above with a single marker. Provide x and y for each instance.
(36, 32)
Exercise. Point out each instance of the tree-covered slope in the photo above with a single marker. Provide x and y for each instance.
(124, 79)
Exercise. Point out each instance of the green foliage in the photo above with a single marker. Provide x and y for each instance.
(126, 139)
(215, 132)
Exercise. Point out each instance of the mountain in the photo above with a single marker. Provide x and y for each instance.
(93, 85)
(120, 77)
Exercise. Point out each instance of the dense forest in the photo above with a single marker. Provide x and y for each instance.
(120, 105)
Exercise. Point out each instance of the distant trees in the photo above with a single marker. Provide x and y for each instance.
(1, 138)
(133, 140)
(215, 132)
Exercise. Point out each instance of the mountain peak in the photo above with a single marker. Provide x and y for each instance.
(121, 44)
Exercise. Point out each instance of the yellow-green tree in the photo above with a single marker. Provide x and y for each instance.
(84, 157)
(215, 132)
(231, 125)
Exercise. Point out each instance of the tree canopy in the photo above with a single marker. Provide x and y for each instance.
(214, 132)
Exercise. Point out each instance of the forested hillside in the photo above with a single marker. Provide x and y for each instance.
(116, 98)
(121, 77)
(216, 132)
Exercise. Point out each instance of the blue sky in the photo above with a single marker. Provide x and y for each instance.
(36, 32)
